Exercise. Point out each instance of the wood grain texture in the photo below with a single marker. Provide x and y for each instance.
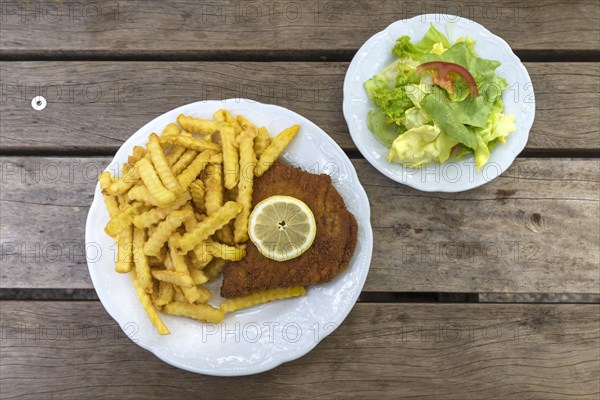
(95, 106)
(263, 28)
(74, 350)
(534, 229)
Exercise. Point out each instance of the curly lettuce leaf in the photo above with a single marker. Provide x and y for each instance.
(387, 90)
(404, 49)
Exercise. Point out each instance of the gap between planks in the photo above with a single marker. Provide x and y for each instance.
(351, 153)
(365, 297)
(256, 56)
(8, 294)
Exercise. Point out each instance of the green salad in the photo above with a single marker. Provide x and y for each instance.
(438, 100)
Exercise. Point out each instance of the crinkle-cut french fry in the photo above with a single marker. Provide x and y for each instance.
(220, 250)
(161, 165)
(125, 250)
(154, 294)
(180, 279)
(191, 222)
(278, 144)
(201, 312)
(214, 268)
(205, 295)
(166, 291)
(201, 256)
(162, 195)
(122, 201)
(245, 186)
(262, 141)
(190, 174)
(197, 191)
(125, 169)
(168, 263)
(198, 277)
(122, 220)
(230, 155)
(146, 301)
(216, 158)
(225, 116)
(190, 142)
(262, 297)
(138, 153)
(174, 153)
(105, 180)
(124, 183)
(164, 230)
(185, 160)
(179, 297)
(111, 202)
(170, 130)
(191, 293)
(221, 115)
(198, 125)
(244, 123)
(213, 183)
(208, 227)
(141, 193)
(142, 268)
(155, 215)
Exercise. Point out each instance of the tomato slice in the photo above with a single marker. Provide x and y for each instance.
(444, 80)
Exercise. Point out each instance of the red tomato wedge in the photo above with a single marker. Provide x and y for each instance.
(442, 77)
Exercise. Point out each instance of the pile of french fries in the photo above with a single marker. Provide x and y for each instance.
(180, 211)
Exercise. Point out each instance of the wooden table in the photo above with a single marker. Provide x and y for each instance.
(424, 326)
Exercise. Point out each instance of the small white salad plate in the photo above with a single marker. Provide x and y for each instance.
(258, 338)
(452, 176)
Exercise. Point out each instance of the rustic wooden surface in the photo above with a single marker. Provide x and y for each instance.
(535, 228)
(283, 28)
(425, 351)
(109, 67)
(95, 106)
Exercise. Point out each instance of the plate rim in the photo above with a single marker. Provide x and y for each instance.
(89, 227)
(347, 104)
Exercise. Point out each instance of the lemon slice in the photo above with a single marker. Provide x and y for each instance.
(282, 227)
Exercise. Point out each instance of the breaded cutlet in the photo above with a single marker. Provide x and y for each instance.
(330, 252)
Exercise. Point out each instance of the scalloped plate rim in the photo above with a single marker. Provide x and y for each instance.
(365, 228)
(356, 132)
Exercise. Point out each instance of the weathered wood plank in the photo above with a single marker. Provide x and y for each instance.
(74, 350)
(534, 229)
(97, 105)
(264, 28)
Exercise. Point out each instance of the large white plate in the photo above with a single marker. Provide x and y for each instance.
(260, 338)
(452, 176)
